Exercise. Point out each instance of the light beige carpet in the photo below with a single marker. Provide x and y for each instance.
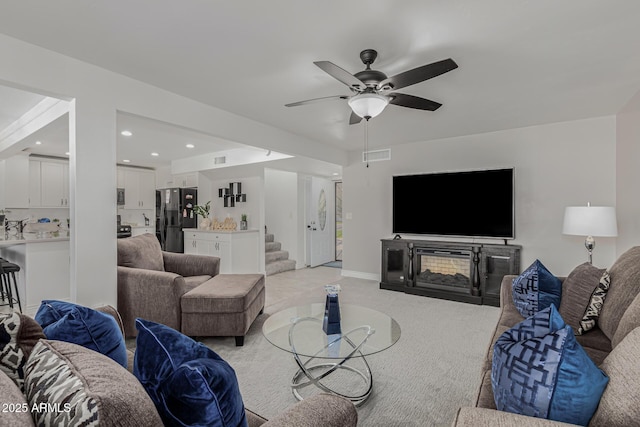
(421, 381)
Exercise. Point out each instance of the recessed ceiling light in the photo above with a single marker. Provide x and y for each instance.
(126, 133)
(126, 161)
(67, 153)
(155, 154)
(336, 174)
(38, 143)
(190, 146)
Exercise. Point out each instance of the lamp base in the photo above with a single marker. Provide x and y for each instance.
(590, 243)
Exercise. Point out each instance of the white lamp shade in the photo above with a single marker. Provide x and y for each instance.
(368, 104)
(598, 221)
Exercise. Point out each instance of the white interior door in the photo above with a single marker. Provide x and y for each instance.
(320, 221)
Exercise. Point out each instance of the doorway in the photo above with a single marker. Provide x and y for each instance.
(338, 186)
(320, 221)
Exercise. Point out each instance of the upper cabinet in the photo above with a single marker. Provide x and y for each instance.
(54, 184)
(39, 182)
(48, 183)
(139, 188)
(164, 179)
(186, 180)
(15, 182)
(35, 183)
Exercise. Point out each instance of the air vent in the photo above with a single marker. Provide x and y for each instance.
(376, 155)
(220, 160)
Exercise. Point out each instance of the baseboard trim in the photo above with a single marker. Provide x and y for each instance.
(361, 275)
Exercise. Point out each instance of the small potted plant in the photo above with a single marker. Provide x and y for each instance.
(203, 211)
(243, 222)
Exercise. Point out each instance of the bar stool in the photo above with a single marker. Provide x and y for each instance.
(8, 272)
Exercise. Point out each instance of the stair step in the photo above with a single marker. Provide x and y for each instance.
(272, 246)
(268, 238)
(275, 256)
(280, 266)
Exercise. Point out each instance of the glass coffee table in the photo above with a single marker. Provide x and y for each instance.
(333, 363)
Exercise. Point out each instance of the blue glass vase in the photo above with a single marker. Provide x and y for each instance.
(331, 321)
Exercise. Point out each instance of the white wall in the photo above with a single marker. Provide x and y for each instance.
(281, 211)
(556, 165)
(251, 186)
(628, 175)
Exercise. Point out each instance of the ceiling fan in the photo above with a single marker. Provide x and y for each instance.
(373, 90)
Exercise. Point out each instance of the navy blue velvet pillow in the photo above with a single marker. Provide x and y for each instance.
(536, 289)
(189, 383)
(540, 370)
(65, 321)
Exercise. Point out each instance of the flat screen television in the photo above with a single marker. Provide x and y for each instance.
(477, 203)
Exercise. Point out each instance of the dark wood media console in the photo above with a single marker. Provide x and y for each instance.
(466, 272)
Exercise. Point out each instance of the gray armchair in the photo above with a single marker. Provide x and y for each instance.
(151, 281)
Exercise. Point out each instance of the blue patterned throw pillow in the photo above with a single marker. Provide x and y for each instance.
(536, 289)
(540, 370)
(92, 329)
(188, 382)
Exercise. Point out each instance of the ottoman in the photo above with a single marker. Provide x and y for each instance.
(223, 306)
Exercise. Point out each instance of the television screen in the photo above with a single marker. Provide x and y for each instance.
(469, 203)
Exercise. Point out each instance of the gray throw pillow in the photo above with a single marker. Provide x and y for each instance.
(18, 335)
(594, 307)
(576, 293)
(79, 386)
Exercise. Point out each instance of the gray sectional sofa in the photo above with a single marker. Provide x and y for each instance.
(67, 384)
(613, 345)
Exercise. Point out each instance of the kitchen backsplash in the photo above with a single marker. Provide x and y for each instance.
(135, 217)
(36, 213)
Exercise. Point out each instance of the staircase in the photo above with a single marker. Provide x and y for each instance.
(276, 260)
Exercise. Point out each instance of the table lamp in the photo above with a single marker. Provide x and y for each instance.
(590, 221)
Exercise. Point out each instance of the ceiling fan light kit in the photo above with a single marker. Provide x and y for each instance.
(372, 88)
(368, 105)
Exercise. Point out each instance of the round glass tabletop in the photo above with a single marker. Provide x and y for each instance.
(298, 330)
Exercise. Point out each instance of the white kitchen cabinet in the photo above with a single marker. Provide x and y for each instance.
(35, 198)
(48, 183)
(147, 180)
(15, 182)
(197, 244)
(44, 270)
(54, 184)
(238, 250)
(186, 180)
(139, 188)
(120, 178)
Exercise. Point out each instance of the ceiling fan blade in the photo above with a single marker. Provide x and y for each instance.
(344, 76)
(410, 101)
(311, 101)
(354, 119)
(418, 75)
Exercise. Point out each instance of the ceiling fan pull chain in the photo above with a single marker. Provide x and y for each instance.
(366, 139)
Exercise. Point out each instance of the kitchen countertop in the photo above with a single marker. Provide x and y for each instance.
(202, 230)
(23, 238)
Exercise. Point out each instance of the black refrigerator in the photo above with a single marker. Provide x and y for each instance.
(174, 211)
